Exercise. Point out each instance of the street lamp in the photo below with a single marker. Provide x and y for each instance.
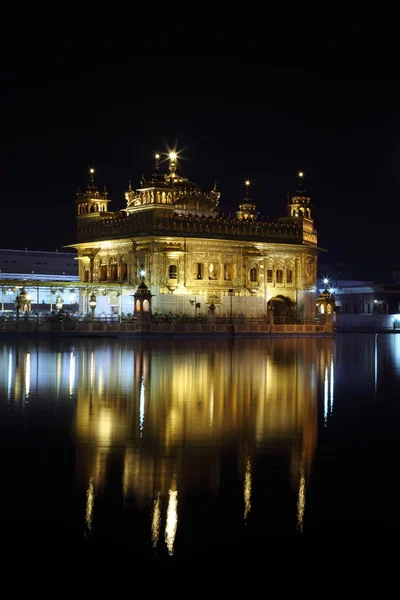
(196, 305)
(92, 304)
(59, 303)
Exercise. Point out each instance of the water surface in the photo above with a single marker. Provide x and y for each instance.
(177, 447)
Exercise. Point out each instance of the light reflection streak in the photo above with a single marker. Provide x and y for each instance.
(91, 493)
(326, 395)
(91, 370)
(172, 521)
(141, 407)
(301, 500)
(211, 405)
(27, 374)
(71, 373)
(9, 387)
(156, 520)
(89, 503)
(247, 489)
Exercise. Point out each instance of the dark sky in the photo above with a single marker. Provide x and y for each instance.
(321, 97)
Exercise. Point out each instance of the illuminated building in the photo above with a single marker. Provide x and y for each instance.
(191, 255)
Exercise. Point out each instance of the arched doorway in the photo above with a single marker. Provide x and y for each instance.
(283, 309)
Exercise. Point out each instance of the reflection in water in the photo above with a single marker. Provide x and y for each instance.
(156, 520)
(247, 489)
(10, 374)
(95, 482)
(90, 503)
(329, 382)
(152, 418)
(141, 406)
(172, 520)
(27, 374)
(301, 499)
(71, 373)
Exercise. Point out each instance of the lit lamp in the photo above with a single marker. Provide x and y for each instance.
(59, 303)
(23, 298)
(92, 303)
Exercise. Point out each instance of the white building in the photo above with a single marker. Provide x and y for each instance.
(45, 277)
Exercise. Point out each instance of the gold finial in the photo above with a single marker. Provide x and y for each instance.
(300, 176)
(157, 159)
(91, 175)
(172, 162)
(247, 184)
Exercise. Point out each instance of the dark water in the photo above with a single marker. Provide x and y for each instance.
(188, 446)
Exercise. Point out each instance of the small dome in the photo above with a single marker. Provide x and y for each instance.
(143, 286)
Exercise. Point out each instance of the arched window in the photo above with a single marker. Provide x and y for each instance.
(146, 306)
(124, 270)
(253, 274)
(103, 271)
(172, 272)
(137, 305)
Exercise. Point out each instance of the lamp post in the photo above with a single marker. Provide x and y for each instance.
(59, 303)
(92, 304)
(196, 305)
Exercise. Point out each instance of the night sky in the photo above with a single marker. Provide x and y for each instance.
(323, 99)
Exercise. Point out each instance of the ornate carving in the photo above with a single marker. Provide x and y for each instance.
(213, 257)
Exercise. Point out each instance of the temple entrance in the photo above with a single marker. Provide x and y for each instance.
(283, 309)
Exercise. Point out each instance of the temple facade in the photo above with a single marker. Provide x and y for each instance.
(173, 235)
